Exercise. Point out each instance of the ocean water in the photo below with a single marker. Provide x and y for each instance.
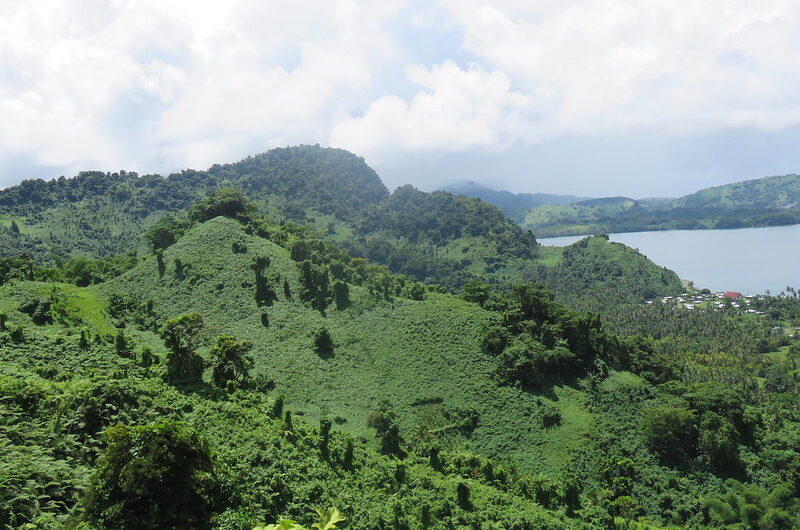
(748, 260)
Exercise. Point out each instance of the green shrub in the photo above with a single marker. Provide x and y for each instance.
(670, 432)
(719, 441)
(158, 476)
(182, 335)
(227, 202)
(341, 295)
(777, 519)
(231, 360)
(18, 334)
(323, 342)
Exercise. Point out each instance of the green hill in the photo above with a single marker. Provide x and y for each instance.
(769, 201)
(435, 237)
(59, 397)
(98, 214)
(425, 356)
(441, 238)
(325, 180)
(767, 193)
(605, 269)
(578, 218)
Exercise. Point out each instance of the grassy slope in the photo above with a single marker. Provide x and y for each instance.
(46, 446)
(551, 220)
(76, 308)
(81, 307)
(628, 216)
(770, 192)
(404, 351)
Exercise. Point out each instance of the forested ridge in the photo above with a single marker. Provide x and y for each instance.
(769, 201)
(238, 362)
(435, 237)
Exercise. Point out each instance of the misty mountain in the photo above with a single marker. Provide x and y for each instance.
(512, 204)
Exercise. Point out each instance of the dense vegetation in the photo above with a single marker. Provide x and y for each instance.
(98, 214)
(439, 237)
(244, 369)
(434, 237)
(771, 201)
(596, 269)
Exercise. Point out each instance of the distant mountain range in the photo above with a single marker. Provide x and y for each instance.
(768, 201)
(512, 204)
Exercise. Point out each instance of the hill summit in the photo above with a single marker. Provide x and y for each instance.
(434, 237)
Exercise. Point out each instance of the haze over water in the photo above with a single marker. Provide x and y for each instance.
(748, 260)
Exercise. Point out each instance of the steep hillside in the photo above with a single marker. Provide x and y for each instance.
(60, 395)
(769, 201)
(433, 409)
(425, 356)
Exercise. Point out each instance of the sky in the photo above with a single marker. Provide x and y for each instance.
(590, 97)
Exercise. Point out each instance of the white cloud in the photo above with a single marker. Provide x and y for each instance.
(454, 110)
(163, 84)
(609, 65)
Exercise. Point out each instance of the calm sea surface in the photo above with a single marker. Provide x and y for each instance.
(749, 260)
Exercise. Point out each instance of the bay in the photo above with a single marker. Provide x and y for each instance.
(748, 260)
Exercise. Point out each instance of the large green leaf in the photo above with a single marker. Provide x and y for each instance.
(328, 518)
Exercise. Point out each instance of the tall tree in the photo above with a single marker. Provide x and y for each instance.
(182, 335)
(159, 476)
(231, 362)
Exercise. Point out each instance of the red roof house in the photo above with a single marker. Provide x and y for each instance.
(733, 294)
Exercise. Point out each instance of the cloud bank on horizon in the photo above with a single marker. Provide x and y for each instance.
(589, 96)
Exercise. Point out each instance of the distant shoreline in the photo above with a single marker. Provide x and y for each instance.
(579, 236)
(750, 260)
